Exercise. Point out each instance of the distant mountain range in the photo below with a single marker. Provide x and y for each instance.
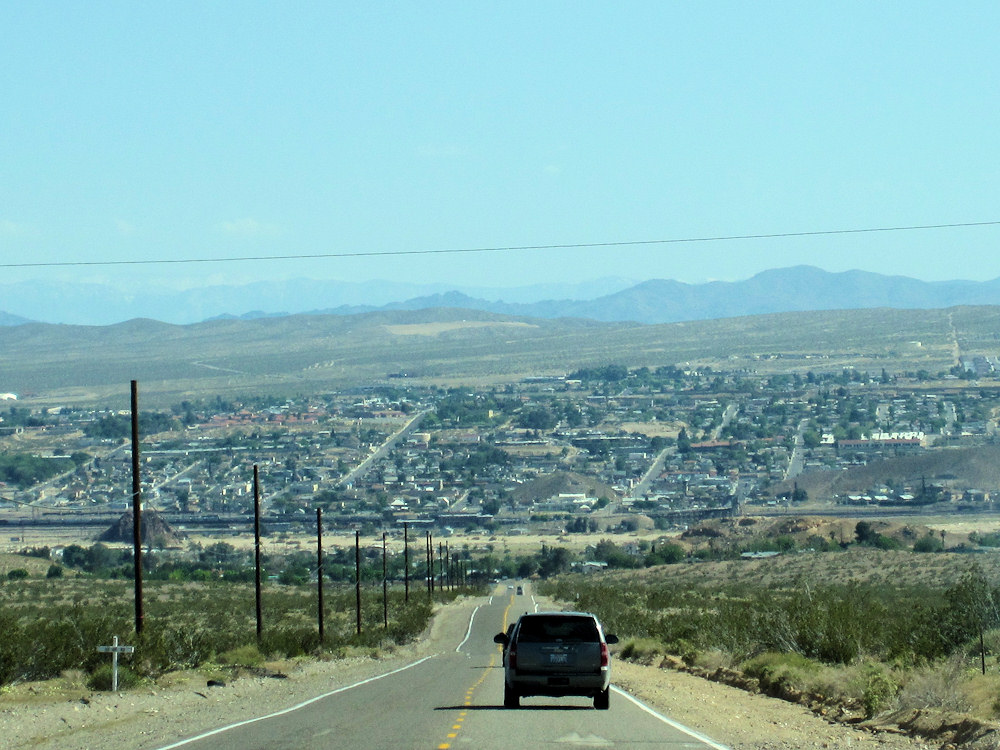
(6, 319)
(800, 288)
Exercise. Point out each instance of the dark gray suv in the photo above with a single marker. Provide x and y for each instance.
(556, 654)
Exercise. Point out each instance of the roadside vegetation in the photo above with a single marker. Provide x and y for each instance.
(200, 615)
(878, 618)
(864, 629)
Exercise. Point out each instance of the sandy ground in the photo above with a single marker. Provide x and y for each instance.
(61, 714)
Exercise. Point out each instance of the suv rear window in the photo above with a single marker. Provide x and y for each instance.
(561, 629)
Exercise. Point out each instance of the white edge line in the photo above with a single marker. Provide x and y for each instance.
(289, 710)
(468, 633)
(679, 727)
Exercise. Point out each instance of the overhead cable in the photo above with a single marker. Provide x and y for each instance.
(497, 249)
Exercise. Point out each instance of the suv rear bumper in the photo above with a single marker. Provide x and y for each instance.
(559, 685)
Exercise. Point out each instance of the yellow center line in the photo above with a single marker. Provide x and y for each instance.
(468, 693)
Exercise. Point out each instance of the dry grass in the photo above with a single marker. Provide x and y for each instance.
(37, 567)
(948, 685)
(892, 568)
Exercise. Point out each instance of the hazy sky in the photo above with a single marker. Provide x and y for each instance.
(177, 130)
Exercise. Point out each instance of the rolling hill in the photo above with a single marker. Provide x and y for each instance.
(59, 364)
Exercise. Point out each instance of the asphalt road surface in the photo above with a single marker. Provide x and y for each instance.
(454, 699)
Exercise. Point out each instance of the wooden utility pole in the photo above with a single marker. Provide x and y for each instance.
(136, 510)
(357, 577)
(430, 564)
(256, 545)
(385, 587)
(406, 562)
(319, 571)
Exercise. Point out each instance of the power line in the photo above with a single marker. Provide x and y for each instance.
(499, 249)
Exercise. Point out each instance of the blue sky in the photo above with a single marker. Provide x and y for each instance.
(133, 131)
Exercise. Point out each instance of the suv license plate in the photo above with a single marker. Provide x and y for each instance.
(558, 658)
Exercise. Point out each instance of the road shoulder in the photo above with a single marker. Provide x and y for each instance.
(64, 715)
(743, 720)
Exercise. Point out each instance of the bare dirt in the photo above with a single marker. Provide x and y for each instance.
(66, 715)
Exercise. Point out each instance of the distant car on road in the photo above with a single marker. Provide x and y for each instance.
(556, 654)
(520, 590)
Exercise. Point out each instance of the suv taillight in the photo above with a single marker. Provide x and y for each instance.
(512, 657)
(605, 656)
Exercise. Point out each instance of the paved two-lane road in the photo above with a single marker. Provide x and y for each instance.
(453, 699)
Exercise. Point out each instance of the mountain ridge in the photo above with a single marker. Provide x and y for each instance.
(654, 301)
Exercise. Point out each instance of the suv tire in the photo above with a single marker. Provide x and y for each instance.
(510, 698)
(602, 700)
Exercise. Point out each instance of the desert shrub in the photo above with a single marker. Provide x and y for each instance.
(54, 571)
(407, 621)
(833, 624)
(641, 649)
(973, 606)
(666, 554)
(880, 689)
(290, 639)
(102, 678)
(242, 656)
(17, 574)
(51, 626)
(928, 543)
(981, 693)
(68, 638)
(778, 672)
(914, 633)
(168, 646)
(989, 539)
(991, 640)
(713, 659)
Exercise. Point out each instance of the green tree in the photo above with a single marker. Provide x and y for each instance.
(665, 554)
(972, 608)
(683, 441)
(865, 533)
(928, 543)
(553, 561)
(536, 418)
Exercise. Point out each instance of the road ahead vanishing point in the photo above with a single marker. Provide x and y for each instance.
(450, 700)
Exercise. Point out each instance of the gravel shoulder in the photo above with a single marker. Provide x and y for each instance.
(742, 720)
(66, 715)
